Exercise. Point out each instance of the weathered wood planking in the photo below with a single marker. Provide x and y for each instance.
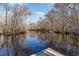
(48, 52)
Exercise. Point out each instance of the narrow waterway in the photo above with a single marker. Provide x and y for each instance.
(33, 42)
(22, 44)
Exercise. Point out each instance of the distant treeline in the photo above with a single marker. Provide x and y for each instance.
(39, 29)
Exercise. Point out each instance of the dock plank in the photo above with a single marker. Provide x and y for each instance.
(48, 52)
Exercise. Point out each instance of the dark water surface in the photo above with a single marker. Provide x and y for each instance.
(23, 44)
(33, 42)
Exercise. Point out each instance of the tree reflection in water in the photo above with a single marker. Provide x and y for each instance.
(33, 42)
(11, 45)
(64, 43)
(22, 44)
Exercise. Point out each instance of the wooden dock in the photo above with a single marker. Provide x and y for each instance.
(48, 52)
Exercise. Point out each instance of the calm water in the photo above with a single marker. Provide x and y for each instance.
(33, 42)
(23, 44)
